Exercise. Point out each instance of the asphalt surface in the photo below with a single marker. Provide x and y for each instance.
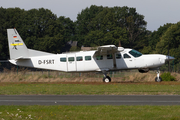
(89, 100)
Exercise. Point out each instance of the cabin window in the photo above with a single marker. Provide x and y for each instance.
(87, 58)
(63, 59)
(109, 56)
(118, 56)
(99, 57)
(79, 58)
(135, 53)
(126, 56)
(70, 59)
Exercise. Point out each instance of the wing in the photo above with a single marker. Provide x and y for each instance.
(108, 49)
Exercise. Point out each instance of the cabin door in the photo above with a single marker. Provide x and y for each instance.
(71, 62)
(129, 61)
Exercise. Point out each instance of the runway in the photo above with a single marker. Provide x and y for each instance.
(89, 100)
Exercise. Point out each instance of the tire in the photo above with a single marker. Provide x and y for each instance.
(158, 80)
(107, 79)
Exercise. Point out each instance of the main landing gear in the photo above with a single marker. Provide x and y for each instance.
(106, 78)
(158, 78)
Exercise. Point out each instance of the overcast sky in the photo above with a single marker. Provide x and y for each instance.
(156, 12)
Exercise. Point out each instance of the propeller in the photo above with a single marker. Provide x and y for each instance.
(169, 58)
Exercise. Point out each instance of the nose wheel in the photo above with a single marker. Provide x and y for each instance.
(158, 78)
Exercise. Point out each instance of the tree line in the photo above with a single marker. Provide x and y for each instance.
(95, 26)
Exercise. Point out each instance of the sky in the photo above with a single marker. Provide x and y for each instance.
(156, 12)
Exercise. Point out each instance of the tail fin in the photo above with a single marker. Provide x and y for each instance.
(18, 49)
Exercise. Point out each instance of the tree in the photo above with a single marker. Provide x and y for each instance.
(39, 28)
(155, 36)
(83, 20)
(170, 40)
(68, 28)
(10, 18)
(135, 25)
(110, 21)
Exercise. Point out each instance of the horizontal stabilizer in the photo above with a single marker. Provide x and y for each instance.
(22, 58)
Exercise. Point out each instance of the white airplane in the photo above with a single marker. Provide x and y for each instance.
(104, 59)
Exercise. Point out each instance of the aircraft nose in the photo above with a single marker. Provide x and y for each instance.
(169, 58)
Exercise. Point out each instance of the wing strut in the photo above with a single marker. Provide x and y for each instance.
(114, 60)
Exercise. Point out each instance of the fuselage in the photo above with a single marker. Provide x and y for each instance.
(84, 61)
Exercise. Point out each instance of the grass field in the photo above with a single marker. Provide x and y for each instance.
(99, 112)
(55, 84)
(103, 112)
(54, 76)
(93, 88)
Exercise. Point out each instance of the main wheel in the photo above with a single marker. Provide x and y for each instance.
(107, 79)
(158, 79)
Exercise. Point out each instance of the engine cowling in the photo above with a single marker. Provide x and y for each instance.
(145, 70)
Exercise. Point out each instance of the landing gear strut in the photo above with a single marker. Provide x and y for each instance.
(158, 79)
(106, 78)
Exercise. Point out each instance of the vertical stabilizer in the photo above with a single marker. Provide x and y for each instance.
(17, 48)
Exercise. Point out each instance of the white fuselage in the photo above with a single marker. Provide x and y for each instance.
(84, 61)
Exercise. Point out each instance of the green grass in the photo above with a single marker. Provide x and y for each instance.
(164, 88)
(102, 112)
(99, 112)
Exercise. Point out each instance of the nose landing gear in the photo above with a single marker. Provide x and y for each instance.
(158, 78)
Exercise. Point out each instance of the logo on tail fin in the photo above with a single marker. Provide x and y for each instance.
(16, 39)
(16, 44)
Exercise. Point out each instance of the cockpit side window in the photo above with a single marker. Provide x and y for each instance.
(135, 53)
(126, 56)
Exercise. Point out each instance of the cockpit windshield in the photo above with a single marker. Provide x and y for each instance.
(135, 53)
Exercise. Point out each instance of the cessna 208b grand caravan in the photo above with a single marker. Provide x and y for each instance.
(105, 58)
